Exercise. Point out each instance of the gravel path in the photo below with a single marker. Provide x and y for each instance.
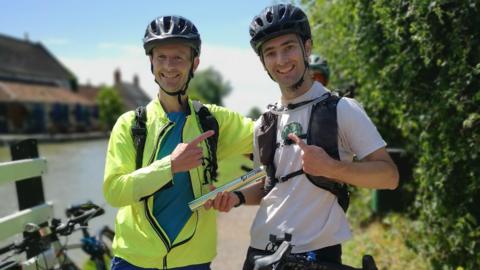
(233, 237)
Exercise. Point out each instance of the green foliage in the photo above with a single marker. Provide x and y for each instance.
(110, 106)
(416, 65)
(254, 113)
(208, 87)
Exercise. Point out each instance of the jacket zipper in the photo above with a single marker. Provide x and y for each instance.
(147, 212)
(150, 219)
(162, 132)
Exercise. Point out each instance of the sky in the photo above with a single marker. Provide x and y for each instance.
(93, 38)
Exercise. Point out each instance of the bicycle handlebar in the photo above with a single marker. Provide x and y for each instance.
(82, 219)
(32, 238)
(282, 257)
(78, 209)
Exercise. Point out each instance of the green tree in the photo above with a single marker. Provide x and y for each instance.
(110, 106)
(254, 113)
(209, 87)
(416, 65)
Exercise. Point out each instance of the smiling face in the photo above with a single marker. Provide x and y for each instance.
(284, 60)
(171, 65)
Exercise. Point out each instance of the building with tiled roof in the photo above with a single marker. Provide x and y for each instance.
(131, 94)
(22, 60)
(88, 91)
(28, 93)
(37, 93)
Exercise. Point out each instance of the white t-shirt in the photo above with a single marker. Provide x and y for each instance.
(311, 214)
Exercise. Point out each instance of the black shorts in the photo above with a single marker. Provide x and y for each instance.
(331, 254)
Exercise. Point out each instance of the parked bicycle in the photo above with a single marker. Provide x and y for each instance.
(282, 258)
(43, 249)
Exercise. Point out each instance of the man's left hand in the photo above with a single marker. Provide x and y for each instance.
(315, 161)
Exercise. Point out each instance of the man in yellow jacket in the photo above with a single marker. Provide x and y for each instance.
(154, 226)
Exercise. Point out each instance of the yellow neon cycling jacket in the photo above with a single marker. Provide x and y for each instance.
(138, 237)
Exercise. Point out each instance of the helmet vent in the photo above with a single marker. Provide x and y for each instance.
(269, 16)
(259, 21)
(281, 12)
(166, 23)
(181, 24)
(298, 16)
(153, 26)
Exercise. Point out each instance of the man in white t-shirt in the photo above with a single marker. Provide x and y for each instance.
(281, 36)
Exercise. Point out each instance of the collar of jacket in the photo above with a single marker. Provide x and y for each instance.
(157, 121)
(156, 107)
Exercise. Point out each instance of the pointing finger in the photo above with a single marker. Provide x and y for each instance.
(297, 140)
(211, 187)
(202, 137)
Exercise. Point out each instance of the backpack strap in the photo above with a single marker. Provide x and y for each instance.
(208, 122)
(266, 136)
(139, 133)
(322, 131)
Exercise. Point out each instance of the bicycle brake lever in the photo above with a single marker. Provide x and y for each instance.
(63, 229)
(269, 260)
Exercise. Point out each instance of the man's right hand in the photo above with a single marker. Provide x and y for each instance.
(223, 202)
(187, 156)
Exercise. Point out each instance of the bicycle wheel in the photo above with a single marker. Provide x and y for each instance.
(106, 236)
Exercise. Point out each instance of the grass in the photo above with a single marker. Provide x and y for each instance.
(384, 238)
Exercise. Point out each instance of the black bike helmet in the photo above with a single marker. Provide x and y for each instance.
(171, 28)
(317, 63)
(278, 20)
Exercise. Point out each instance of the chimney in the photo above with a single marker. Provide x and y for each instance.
(136, 81)
(25, 35)
(117, 77)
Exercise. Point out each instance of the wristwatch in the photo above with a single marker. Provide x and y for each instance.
(241, 197)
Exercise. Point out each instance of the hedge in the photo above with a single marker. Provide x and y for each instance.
(416, 69)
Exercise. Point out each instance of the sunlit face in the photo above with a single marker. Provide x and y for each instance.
(284, 60)
(171, 65)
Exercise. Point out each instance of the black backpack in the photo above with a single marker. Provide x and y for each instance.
(322, 131)
(207, 122)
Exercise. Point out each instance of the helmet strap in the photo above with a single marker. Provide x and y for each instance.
(300, 81)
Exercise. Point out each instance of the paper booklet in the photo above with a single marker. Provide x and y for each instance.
(250, 177)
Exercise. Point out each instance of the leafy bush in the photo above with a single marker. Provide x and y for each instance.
(110, 106)
(209, 87)
(416, 66)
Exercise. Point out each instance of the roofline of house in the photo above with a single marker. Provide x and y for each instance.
(43, 48)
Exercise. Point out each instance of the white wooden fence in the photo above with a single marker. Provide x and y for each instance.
(17, 171)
